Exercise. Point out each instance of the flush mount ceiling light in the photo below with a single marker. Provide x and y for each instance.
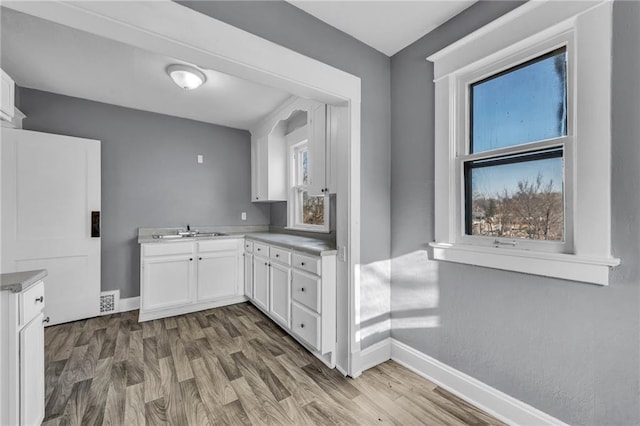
(186, 77)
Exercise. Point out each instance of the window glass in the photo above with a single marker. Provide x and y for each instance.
(516, 196)
(527, 103)
(312, 209)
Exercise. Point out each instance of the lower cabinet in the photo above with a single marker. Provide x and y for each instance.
(248, 274)
(182, 277)
(261, 282)
(22, 360)
(297, 291)
(280, 293)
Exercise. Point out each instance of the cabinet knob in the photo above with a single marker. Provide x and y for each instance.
(258, 249)
(265, 263)
(301, 263)
(40, 299)
(199, 258)
(301, 325)
(322, 190)
(302, 289)
(257, 198)
(191, 259)
(46, 320)
(277, 255)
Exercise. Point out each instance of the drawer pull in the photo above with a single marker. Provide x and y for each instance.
(277, 255)
(302, 289)
(301, 325)
(191, 259)
(301, 263)
(258, 249)
(265, 263)
(47, 320)
(40, 299)
(199, 258)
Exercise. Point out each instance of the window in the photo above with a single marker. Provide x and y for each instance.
(522, 143)
(514, 155)
(306, 212)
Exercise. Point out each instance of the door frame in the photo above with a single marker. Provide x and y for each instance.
(159, 27)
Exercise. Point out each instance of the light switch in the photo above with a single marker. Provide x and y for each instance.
(243, 216)
(200, 158)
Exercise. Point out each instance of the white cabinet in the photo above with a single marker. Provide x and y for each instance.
(298, 291)
(167, 281)
(269, 149)
(269, 167)
(261, 281)
(22, 359)
(248, 275)
(218, 274)
(182, 277)
(32, 372)
(280, 293)
(7, 97)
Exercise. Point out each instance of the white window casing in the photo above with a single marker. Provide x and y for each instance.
(523, 34)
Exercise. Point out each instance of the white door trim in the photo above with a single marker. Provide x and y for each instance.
(160, 27)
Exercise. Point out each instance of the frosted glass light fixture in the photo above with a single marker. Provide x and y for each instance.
(186, 77)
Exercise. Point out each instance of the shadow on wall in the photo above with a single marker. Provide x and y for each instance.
(415, 306)
(413, 309)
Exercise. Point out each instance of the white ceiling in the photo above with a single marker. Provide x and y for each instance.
(43, 55)
(388, 26)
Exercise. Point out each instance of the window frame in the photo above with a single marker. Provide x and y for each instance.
(463, 145)
(297, 141)
(521, 35)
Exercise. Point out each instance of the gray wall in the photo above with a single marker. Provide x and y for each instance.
(286, 25)
(149, 174)
(569, 349)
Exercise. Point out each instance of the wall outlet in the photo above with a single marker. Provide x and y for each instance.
(200, 158)
(243, 216)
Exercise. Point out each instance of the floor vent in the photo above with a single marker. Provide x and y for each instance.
(109, 302)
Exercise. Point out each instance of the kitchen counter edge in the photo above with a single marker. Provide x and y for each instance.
(17, 282)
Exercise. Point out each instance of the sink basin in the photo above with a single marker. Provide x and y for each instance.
(188, 235)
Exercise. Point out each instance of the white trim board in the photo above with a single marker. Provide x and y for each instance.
(496, 403)
(160, 26)
(129, 304)
(373, 355)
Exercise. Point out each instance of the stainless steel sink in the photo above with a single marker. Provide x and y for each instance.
(190, 234)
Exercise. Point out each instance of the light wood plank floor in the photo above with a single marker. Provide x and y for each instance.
(229, 365)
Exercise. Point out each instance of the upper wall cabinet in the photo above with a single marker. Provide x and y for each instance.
(7, 95)
(269, 149)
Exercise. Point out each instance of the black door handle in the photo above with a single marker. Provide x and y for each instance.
(95, 224)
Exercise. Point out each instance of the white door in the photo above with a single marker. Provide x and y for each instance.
(218, 275)
(50, 186)
(280, 293)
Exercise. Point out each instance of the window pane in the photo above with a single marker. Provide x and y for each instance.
(305, 167)
(525, 104)
(519, 196)
(312, 209)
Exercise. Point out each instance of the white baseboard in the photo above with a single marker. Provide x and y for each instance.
(129, 304)
(373, 355)
(481, 395)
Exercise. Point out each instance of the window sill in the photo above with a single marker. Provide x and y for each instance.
(317, 231)
(558, 265)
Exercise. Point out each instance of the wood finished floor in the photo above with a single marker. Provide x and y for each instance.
(228, 365)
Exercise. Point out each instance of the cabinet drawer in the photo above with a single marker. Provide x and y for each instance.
(306, 325)
(261, 249)
(166, 249)
(280, 255)
(307, 263)
(306, 290)
(217, 245)
(31, 302)
(248, 246)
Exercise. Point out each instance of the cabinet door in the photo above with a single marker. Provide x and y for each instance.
(259, 169)
(248, 275)
(167, 281)
(218, 275)
(32, 372)
(261, 282)
(280, 293)
(317, 149)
